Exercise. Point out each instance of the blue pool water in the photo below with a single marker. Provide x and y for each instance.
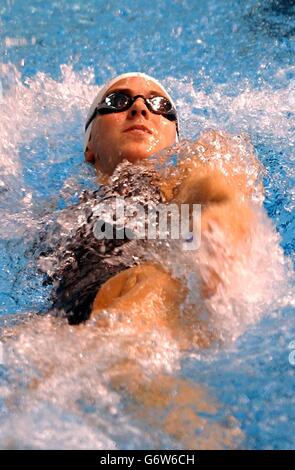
(230, 66)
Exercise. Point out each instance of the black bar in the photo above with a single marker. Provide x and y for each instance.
(135, 459)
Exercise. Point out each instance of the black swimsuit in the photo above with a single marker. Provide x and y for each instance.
(79, 264)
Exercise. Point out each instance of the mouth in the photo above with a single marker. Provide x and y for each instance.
(139, 129)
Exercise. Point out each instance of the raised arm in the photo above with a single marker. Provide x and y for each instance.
(215, 174)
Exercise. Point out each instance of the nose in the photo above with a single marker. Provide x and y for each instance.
(138, 109)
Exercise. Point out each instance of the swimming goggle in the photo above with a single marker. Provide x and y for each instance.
(118, 101)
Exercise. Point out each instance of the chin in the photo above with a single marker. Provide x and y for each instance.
(138, 153)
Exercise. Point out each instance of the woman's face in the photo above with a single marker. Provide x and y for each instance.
(111, 141)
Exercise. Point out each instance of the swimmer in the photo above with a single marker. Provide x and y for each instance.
(132, 118)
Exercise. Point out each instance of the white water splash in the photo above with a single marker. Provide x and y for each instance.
(37, 108)
(59, 386)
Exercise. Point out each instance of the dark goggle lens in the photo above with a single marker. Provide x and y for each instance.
(117, 100)
(160, 104)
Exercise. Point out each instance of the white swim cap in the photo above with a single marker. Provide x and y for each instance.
(105, 88)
